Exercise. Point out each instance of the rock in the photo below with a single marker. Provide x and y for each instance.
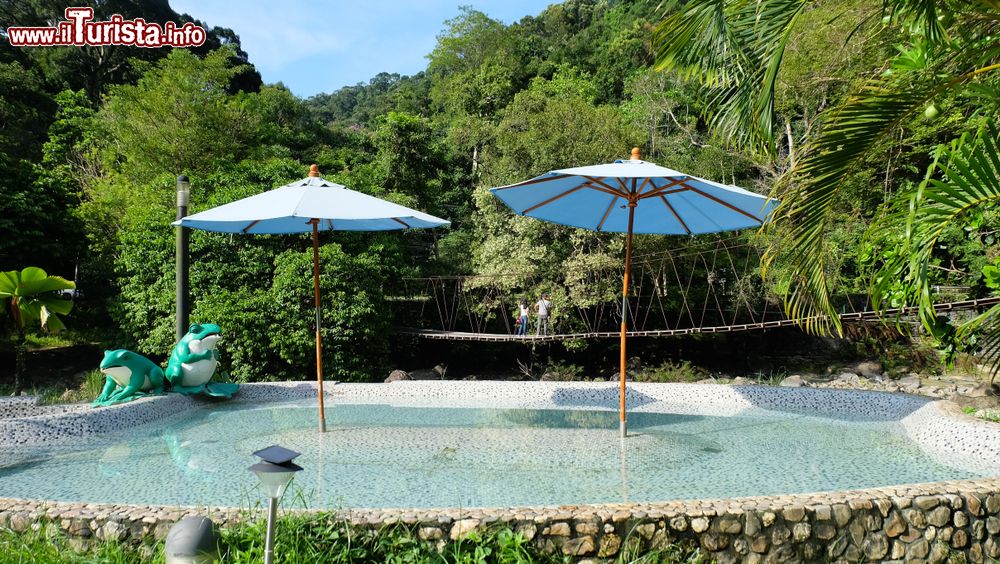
(609, 545)
(463, 527)
(939, 553)
(430, 533)
(707, 381)
(397, 375)
(794, 514)
(959, 539)
(440, 370)
(875, 546)
(579, 546)
(801, 531)
(960, 519)
(912, 381)
(752, 526)
(741, 381)
(587, 528)
(939, 517)
(646, 531)
(837, 547)
(895, 526)
(981, 390)
(759, 544)
(679, 523)
(919, 549)
(768, 518)
(993, 504)
(824, 531)
(527, 530)
(699, 524)
(915, 517)
(868, 369)
(993, 525)
(792, 382)
(713, 542)
(424, 375)
(558, 530)
(842, 514)
(729, 525)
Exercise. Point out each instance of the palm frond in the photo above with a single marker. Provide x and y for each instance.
(970, 179)
(808, 194)
(735, 47)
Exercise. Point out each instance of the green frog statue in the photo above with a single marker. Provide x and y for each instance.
(193, 362)
(128, 375)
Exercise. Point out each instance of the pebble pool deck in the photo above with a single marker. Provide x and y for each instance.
(905, 523)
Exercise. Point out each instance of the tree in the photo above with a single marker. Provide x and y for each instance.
(946, 51)
(31, 296)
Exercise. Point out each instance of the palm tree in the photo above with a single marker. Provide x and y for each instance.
(736, 48)
(31, 296)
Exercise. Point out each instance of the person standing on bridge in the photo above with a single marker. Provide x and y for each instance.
(522, 318)
(544, 308)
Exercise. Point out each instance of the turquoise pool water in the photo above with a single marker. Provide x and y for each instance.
(385, 456)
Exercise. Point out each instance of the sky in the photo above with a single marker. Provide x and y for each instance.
(321, 46)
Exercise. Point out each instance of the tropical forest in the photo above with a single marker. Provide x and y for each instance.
(873, 123)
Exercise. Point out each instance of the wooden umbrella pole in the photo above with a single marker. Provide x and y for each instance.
(319, 321)
(623, 423)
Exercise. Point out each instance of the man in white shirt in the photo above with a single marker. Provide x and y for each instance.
(544, 306)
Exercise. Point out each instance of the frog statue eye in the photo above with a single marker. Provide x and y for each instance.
(194, 327)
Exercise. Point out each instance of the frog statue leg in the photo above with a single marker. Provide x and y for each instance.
(109, 388)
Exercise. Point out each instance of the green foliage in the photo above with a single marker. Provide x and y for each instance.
(31, 296)
(177, 119)
(322, 538)
(670, 371)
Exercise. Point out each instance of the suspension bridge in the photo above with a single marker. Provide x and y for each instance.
(708, 286)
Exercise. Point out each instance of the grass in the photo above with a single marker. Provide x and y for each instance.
(319, 538)
(984, 414)
(88, 388)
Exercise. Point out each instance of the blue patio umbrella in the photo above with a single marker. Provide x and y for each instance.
(311, 204)
(634, 196)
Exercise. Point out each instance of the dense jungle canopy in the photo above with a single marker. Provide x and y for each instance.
(875, 123)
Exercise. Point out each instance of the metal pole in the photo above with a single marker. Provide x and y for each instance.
(181, 259)
(319, 323)
(622, 422)
(272, 516)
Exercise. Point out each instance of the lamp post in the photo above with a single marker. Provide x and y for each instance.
(275, 471)
(181, 258)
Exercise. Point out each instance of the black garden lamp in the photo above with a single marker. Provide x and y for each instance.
(275, 471)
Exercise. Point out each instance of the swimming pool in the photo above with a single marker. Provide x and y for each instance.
(460, 444)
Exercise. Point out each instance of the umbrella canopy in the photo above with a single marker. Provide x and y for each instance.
(311, 204)
(292, 207)
(634, 196)
(667, 202)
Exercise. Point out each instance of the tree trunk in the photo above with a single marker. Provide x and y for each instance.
(21, 353)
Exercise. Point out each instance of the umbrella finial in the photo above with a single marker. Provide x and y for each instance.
(313, 170)
(636, 154)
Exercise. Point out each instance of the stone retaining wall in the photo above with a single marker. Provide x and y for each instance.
(956, 521)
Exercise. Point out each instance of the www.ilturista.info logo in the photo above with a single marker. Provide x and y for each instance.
(78, 29)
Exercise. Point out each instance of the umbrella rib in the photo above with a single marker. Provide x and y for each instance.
(673, 211)
(623, 193)
(647, 181)
(397, 220)
(252, 223)
(534, 181)
(724, 203)
(664, 189)
(556, 197)
(607, 212)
